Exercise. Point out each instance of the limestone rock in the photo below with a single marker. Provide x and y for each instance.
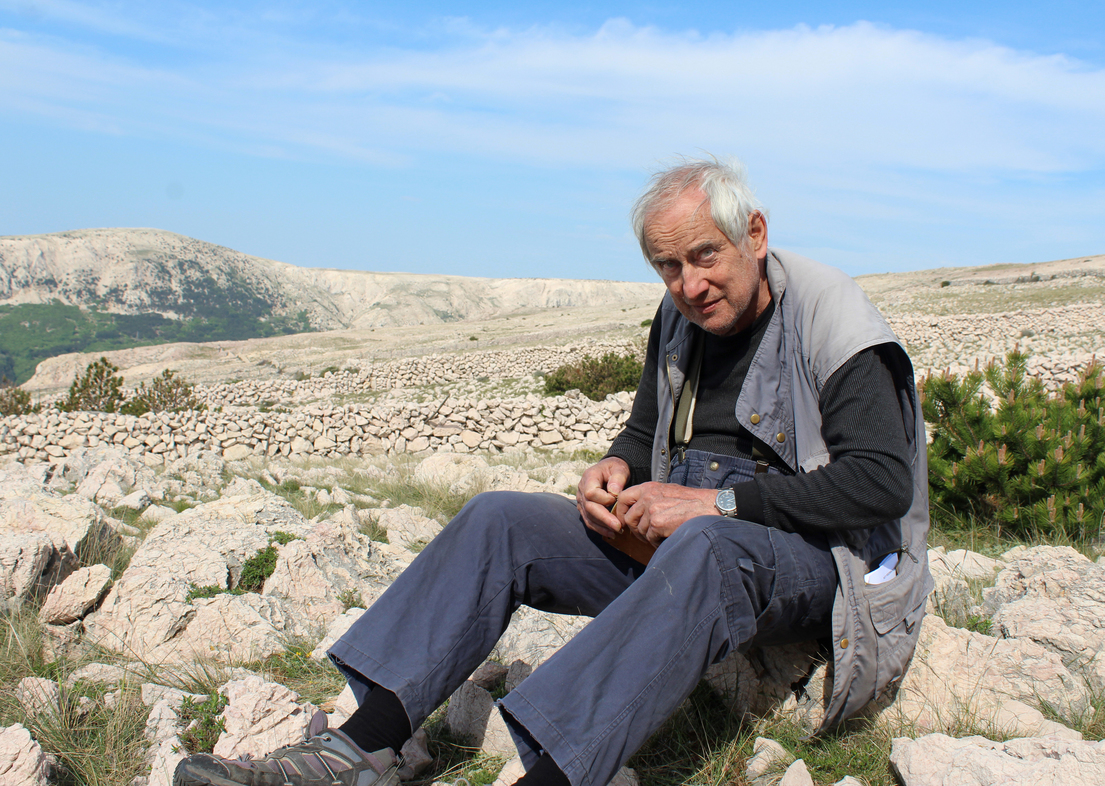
(30, 564)
(337, 629)
(768, 757)
(416, 756)
(965, 564)
(71, 600)
(939, 760)
(139, 499)
(797, 774)
(1023, 564)
(472, 715)
(343, 706)
(489, 675)
(406, 525)
(22, 761)
(146, 611)
(1056, 603)
(336, 561)
(89, 469)
(39, 696)
(97, 674)
(449, 468)
(511, 772)
(958, 675)
(762, 679)
(260, 717)
(237, 452)
(164, 756)
(516, 673)
(533, 636)
(236, 628)
(27, 507)
(953, 573)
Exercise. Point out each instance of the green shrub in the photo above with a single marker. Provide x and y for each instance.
(645, 322)
(202, 722)
(166, 393)
(256, 569)
(596, 378)
(206, 591)
(99, 389)
(14, 400)
(1033, 463)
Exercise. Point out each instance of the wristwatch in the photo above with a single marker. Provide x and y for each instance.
(726, 503)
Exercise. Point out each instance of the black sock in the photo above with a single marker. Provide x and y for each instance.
(381, 722)
(544, 773)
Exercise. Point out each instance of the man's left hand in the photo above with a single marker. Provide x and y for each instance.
(653, 511)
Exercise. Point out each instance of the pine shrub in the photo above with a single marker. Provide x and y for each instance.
(1032, 463)
(596, 379)
(166, 393)
(14, 400)
(99, 389)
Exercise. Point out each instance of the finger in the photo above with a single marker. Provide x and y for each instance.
(601, 496)
(599, 519)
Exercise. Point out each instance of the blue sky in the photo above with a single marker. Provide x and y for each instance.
(509, 139)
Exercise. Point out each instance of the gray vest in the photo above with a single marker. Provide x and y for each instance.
(822, 318)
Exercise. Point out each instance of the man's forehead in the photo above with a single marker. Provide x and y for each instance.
(691, 206)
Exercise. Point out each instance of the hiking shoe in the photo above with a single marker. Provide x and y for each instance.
(327, 759)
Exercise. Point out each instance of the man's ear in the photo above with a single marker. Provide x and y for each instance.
(757, 234)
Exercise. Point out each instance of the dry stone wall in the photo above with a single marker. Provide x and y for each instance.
(1061, 341)
(412, 372)
(567, 422)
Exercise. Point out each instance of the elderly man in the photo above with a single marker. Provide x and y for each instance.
(769, 487)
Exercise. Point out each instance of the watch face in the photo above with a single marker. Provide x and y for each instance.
(726, 502)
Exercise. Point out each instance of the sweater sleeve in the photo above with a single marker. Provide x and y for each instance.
(869, 478)
(634, 444)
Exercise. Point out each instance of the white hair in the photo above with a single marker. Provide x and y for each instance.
(724, 184)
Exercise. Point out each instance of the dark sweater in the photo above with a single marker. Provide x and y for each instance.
(869, 479)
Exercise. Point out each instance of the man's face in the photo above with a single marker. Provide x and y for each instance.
(720, 287)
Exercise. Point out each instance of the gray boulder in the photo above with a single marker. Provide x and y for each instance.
(939, 760)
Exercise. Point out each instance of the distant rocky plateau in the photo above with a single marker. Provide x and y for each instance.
(131, 271)
(947, 318)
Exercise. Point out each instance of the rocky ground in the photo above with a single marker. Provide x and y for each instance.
(150, 566)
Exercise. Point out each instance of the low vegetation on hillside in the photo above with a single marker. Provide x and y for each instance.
(30, 333)
(596, 378)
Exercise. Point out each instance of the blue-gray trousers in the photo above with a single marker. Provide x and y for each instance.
(717, 584)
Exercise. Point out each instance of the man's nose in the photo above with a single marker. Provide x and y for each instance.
(694, 283)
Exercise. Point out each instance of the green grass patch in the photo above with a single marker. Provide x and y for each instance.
(316, 681)
(202, 722)
(256, 569)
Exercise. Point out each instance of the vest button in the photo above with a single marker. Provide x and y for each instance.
(663, 452)
(713, 466)
(844, 644)
(780, 437)
(755, 419)
(674, 358)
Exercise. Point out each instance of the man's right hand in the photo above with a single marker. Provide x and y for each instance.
(598, 490)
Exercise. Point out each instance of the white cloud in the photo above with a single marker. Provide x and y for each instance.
(895, 125)
(856, 95)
